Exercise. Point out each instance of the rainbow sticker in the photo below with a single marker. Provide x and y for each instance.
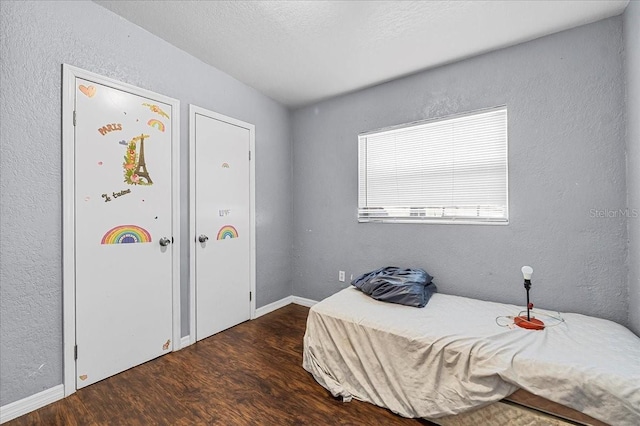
(227, 231)
(225, 165)
(157, 124)
(125, 234)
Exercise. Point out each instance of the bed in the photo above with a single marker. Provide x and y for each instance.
(451, 361)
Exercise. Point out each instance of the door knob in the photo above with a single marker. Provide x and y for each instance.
(203, 238)
(164, 242)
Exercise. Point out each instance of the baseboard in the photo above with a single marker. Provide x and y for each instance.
(284, 302)
(273, 306)
(185, 341)
(31, 403)
(304, 301)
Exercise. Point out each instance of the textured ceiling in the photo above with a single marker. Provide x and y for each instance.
(298, 52)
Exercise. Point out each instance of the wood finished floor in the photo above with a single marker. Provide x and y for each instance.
(250, 374)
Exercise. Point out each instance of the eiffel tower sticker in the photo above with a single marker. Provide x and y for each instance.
(135, 168)
(141, 170)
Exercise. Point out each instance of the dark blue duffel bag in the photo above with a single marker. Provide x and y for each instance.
(411, 287)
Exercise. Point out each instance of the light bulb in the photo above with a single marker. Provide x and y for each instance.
(527, 271)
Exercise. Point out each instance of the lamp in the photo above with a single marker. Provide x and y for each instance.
(528, 322)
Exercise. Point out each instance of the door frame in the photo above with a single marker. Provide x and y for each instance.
(69, 75)
(193, 111)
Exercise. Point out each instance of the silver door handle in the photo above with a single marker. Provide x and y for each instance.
(203, 238)
(164, 242)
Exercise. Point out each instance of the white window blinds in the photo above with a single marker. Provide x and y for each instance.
(444, 170)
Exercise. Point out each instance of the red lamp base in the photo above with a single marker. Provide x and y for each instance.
(531, 324)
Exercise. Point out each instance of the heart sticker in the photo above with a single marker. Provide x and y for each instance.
(89, 91)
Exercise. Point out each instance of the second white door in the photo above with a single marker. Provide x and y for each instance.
(222, 191)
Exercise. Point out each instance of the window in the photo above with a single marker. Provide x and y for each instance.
(449, 170)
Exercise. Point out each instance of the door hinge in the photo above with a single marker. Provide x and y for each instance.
(250, 296)
(249, 155)
(75, 352)
(74, 118)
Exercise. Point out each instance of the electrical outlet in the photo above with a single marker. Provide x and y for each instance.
(341, 276)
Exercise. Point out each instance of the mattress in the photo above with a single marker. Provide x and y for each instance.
(452, 357)
(502, 414)
(521, 408)
(541, 405)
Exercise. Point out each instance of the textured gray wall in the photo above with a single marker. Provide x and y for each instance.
(37, 37)
(565, 97)
(632, 48)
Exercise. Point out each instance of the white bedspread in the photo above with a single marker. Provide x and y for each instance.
(451, 356)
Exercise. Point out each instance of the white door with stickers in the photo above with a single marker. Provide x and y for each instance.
(222, 221)
(123, 209)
